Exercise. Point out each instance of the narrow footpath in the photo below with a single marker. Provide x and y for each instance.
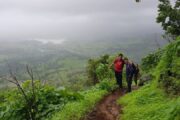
(107, 108)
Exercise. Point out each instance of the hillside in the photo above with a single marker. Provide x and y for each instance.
(61, 64)
(50, 61)
(90, 60)
(147, 103)
(158, 99)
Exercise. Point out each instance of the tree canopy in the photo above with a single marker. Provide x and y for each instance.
(169, 17)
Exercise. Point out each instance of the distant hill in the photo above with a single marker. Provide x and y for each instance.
(65, 62)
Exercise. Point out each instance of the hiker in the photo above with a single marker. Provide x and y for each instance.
(118, 68)
(136, 73)
(129, 73)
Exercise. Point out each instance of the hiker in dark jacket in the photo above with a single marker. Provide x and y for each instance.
(129, 73)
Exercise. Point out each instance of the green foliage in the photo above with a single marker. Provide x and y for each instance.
(77, 110)
(91, 70)
(167, 72)
(103, 71)
(149, 103)
(169, 17)
(151, 61)
(107, 85)
(98, 69)
(48, 100)
(61, 104)
(165, 66)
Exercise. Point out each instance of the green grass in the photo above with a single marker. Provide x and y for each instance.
(77, 110)
(150, 103)
(158, 100)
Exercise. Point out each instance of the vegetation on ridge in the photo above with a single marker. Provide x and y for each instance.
(160, 99)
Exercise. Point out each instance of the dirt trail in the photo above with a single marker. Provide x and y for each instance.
(107, 108)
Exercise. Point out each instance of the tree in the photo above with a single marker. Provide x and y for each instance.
(169, 17)
(91, 70)
(97, 69)
(32, 109)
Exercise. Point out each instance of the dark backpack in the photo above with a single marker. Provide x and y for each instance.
(134, 68)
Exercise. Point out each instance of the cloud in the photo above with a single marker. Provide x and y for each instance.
(76, 19)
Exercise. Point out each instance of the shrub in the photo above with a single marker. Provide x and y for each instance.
(151, 61)
(98, 69)
(108, 85)
(48, 100)
(103, 72)
(76, 110)
(165, 66)
(167, 71)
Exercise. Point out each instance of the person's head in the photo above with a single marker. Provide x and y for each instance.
(120, 55)
(126, 60)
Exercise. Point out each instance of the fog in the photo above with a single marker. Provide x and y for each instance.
(62, 20)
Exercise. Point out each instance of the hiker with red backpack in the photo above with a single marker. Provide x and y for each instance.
(118, 69)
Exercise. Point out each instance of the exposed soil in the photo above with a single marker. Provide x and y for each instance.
(107, 108)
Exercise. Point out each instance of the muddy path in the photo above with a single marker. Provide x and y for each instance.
(107, 108)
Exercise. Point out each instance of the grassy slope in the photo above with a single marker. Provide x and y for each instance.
(77, 110)
(151, 102)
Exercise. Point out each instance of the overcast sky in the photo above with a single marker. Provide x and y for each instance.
(76, 19)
